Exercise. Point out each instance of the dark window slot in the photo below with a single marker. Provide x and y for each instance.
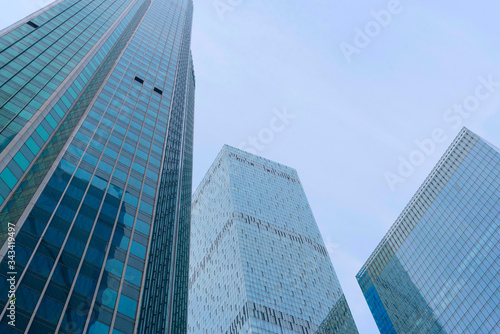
(159, 91)
(34, 25)
(139, 80)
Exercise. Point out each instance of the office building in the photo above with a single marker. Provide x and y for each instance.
(436, 270)
(258, 263)
(96, 127)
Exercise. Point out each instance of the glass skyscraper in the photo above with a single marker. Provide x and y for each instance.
(258, 263)
(437, 269)
(96, 129)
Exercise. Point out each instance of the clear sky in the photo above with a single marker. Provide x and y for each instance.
(356, 85)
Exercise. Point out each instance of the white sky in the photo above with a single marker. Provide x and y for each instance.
(354, 120)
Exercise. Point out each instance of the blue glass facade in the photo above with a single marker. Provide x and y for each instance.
(258, 263)
(96, 126)
(437, 269)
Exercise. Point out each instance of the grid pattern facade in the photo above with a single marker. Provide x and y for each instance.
(436, 271)
(258, 263)
(96, 127)
(339, 320)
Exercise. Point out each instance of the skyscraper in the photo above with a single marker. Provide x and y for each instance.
(258, 263)
(436, 270)
(96, 127)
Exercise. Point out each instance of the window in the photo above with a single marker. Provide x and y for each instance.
(34, 25)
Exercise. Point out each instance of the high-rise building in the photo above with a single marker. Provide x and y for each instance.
(96, 127)
(436, 270)
(258, 263)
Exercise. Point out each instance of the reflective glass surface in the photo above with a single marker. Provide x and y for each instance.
(258, 262)
(101, 149)
(436, 271)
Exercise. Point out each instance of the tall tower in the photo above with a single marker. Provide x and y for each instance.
(96, 129)
(258, 262)
(436, 270)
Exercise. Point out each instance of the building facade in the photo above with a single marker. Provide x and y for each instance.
(258, 263)
(436, 270)
(96, 129)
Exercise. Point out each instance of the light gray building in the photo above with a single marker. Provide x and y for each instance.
(258, 263)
